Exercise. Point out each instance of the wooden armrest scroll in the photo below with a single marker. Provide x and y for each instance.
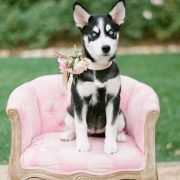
(150, 143)
(14, 160)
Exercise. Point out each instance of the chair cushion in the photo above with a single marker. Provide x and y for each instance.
(49, 153)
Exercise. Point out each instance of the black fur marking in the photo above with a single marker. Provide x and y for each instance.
(77, 102)
(93, 35)
(114, 27)
(93, 21)
(102, 75)
(116, 103)
(108, 20)
(86, 53)
(101, 135)
(86, 76)
(108, 73)
(111, 33)
(96, 115)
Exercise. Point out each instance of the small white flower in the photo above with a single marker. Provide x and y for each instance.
(147, 14)
(157, 2)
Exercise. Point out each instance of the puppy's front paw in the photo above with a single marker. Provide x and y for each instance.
(110, 148)
(121, 137)
(83, 146)
(67, 136)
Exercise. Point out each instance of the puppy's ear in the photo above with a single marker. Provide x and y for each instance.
(81, 16)
(118, 12)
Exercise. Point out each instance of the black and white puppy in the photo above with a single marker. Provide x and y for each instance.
(95, 97)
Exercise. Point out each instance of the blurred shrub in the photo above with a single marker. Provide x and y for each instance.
(36, 23)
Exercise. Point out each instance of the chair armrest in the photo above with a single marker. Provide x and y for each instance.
(142, 113)
(22, 109)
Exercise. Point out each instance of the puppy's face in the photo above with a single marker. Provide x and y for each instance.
(100, 33)
(100, 38)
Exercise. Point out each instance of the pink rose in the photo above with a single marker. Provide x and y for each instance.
(79, 67)
(62, 64)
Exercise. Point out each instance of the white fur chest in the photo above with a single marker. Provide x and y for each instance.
(86, 89)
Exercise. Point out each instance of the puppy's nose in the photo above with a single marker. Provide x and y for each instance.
(106, 48)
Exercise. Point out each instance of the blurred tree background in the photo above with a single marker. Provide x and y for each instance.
(39, 23)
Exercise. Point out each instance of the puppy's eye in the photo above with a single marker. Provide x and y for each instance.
(93, 34)
(110, 32)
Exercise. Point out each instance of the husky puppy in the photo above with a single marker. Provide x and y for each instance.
(95, 97)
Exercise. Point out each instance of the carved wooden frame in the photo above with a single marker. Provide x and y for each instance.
(16, 172)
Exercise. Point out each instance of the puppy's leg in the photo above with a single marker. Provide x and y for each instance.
(82, 143)
(121, 136)
(110, 146)
(70, 134)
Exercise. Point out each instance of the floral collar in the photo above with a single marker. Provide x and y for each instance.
(77, 64)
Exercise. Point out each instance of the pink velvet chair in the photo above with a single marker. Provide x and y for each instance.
(37, 110)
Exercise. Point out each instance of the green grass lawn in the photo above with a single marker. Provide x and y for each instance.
(162, 72)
